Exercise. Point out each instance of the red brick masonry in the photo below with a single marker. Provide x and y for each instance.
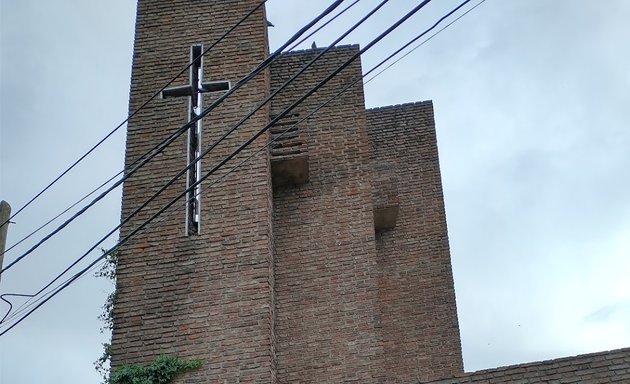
(340, 272)
(593, 368)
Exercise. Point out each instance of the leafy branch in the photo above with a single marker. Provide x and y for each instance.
(162, 371)
(108, 271)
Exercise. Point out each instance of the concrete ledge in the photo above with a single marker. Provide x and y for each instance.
(290, 170)
(385, 217)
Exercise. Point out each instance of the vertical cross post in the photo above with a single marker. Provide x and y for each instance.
(195, 90)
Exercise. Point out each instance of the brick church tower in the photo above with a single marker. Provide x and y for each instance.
(322, 259)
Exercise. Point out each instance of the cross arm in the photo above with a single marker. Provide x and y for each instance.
(214, 86)
(186, 90)
(179, 91)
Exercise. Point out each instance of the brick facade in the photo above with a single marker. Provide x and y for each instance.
(382, 302)
(416, 294)
(593, 368)
(322, 260)
(208, 296)
(326, 272)
(296, 284)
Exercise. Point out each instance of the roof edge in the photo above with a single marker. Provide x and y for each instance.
(310, 50)
(400, 106)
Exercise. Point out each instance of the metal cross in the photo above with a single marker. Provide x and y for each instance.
(194, 91)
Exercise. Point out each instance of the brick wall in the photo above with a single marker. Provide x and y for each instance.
(352, 304)
(208, 296)
(420, 334)
(593, 368)
(292, 283)
(325, 262)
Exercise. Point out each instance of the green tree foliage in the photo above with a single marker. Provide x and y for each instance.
(108, 271)
(162, 371)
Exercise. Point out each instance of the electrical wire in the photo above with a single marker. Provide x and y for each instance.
(130, 116)
(107, 136)
(343, 90)
(155, 151)
(317, 109)
(10, 304)
(43, 296)
(32, 233)
(323, 25)
(142, 106)
(229, 157)
(426, 40)
(24, 306)
(218, 141)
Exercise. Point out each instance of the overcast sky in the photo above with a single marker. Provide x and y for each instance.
(532, 113)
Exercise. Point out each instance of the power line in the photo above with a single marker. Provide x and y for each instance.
(43, 299)
(229, 157)
(428, 38)
(10, 304)
(32, 233)
(158, 149)
(323, 25)
(290, 49)
(24, 306)
(217, 142)
(343, 90)
(289, 128)
(143, 105)
(329, 100)
(131, 115)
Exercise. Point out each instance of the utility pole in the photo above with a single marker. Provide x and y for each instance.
(5, 213)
